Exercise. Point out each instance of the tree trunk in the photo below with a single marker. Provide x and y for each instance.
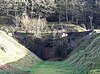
(76, 21)
(66, 17)
(32, 9)
(7, 12)
(16, 18)
(91, 21)
(77, 18)
(66, 12)
(98, 27)
(60, 14)
(59, 18)
(72, 19)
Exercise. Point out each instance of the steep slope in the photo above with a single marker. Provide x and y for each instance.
(13, 54)
(87, 53)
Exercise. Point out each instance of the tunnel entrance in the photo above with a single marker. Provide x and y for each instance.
(48, 48)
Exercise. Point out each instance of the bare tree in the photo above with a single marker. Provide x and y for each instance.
(66, 2)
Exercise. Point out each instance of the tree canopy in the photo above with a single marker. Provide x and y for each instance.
(77, 11)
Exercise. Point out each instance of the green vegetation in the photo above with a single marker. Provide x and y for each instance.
(55, 68)
(31, 16)
(83, 60)
(96, 71)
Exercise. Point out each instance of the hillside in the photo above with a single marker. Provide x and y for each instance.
(13, 55)
(83, 59)
(86, 55)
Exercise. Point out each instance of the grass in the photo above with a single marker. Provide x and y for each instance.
(55, 68)
(13, 72)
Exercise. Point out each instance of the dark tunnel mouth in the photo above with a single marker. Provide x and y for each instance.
(47, 52)
(45, 49)
(49, 48)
